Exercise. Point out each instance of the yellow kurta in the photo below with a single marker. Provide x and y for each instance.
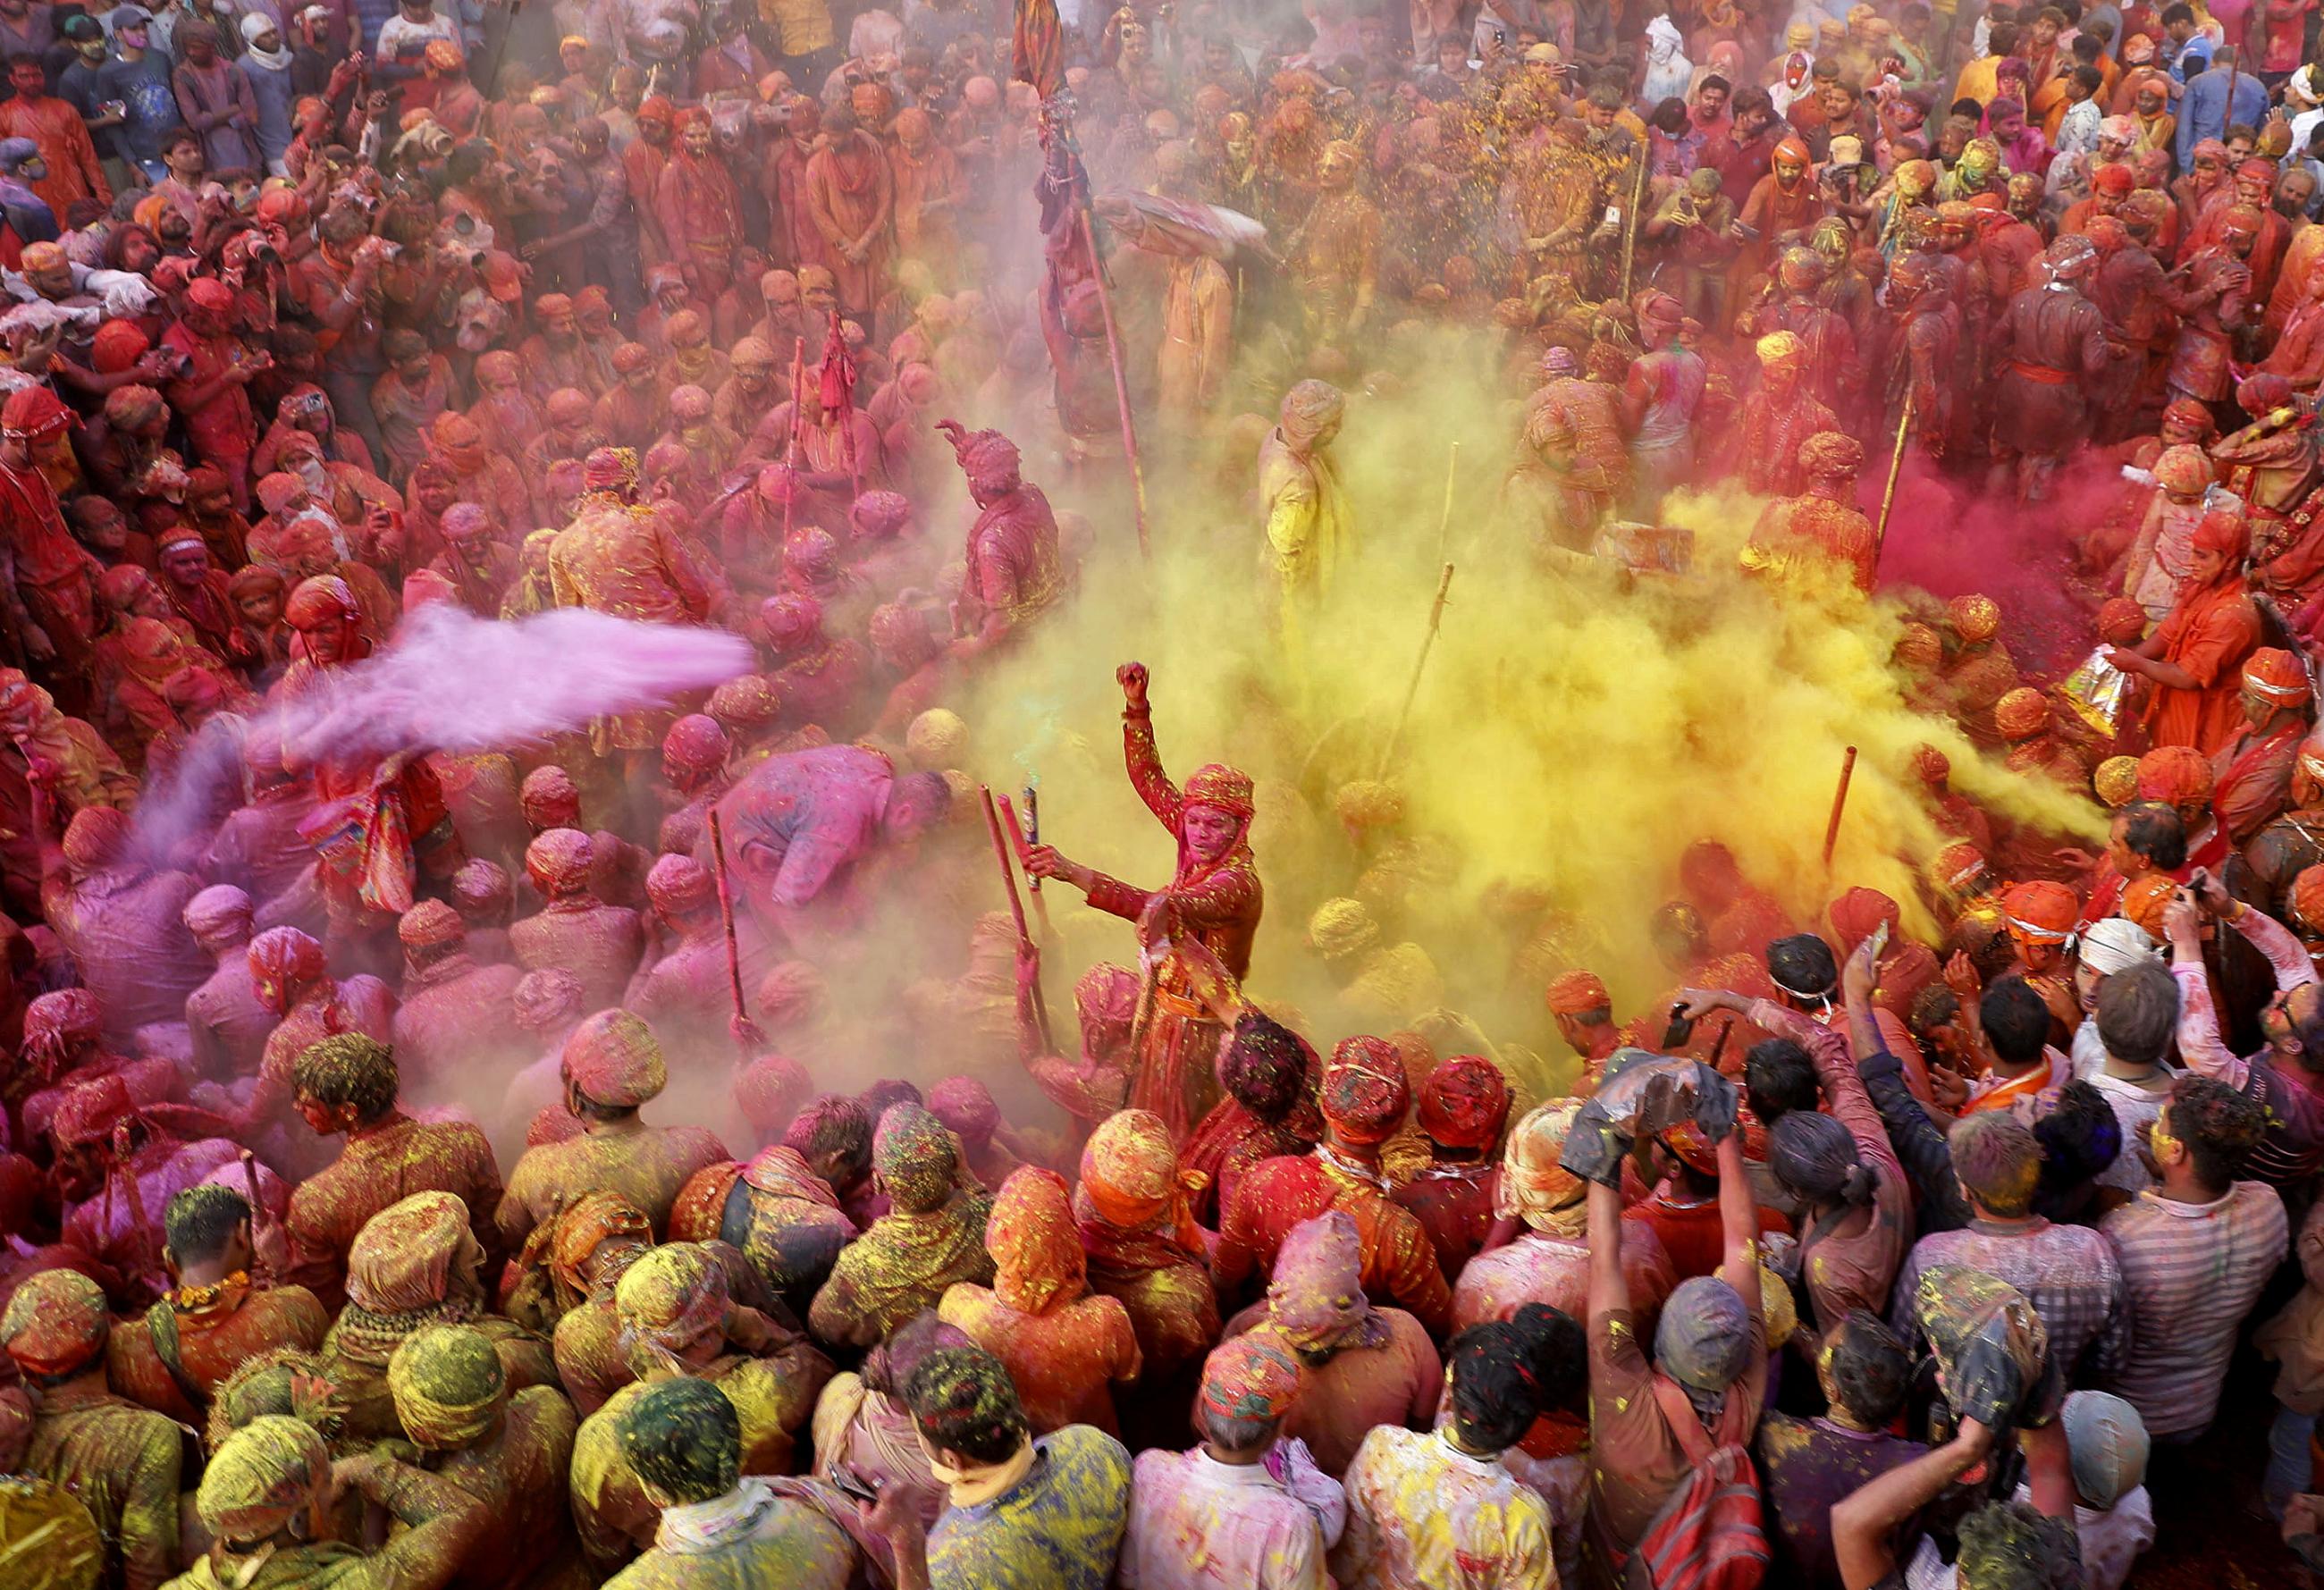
(1309, 529)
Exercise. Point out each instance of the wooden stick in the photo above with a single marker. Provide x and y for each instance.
(1631, 223)
(1838, 804)
(1444, 518)
(1120, 382)
(1411, 690)
(1889, 497)
(1016, 838)
(1015, 911)
(798, 405)
(726, 920)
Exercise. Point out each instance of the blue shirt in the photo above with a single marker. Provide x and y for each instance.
(144, 87)
(2209, 106)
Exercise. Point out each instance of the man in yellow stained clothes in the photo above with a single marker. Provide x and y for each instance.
(1309, 527)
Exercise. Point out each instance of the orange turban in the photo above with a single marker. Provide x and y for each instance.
(2308, 899)
(1577, 993)
(2176, 774)
(2274, 675)
(2040, 912)
(1974, 617)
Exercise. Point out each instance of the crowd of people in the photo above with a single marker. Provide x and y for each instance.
(443, 1134)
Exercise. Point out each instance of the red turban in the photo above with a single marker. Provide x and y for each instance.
(679, 883)
(287, 956)
(33, 413)
(558, 861)
(2114, 180)
(1933, 765)
(1214, 784)
(1463, 1102)
(117, 345)
(89, 1111)
(1576, 993)
(2041, 912)
(1365, 1093)
(1130, 1171)
(1857, 913)
(56, 1323)
(429, 923)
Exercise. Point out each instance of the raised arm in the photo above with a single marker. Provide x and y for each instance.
(2199, 1043)
(1864, 1524)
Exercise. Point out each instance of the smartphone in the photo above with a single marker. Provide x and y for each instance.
(850, 1484)
(1680, 1030)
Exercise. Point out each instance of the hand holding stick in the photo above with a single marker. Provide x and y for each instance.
(1017, 837)
(1016, 910)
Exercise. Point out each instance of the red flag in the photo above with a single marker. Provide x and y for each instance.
(1036, 48)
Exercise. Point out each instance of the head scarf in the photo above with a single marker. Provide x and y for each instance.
(2040, 912)
(1249, 1380)
(1577, 992)
(2226, 534)
(784, 1172)
(55, 1324)
(888, 1366)
(1130, 1170)
(448, 1385)
(2175, 775)
(413, 1263)
(1366, 1093)
(1308, 409)
(670, 1298)
(915, 1159)
(96, 838)
(2109, 945)
(1036, 1249)
(2108, 1444)
(260, 1479)
(1316, 1300)
(1463, 1102)
(1533, 1187)
(2275, 675)
(1341, 928)
(1703, 1339)
(614, 1059)
(90, 1110)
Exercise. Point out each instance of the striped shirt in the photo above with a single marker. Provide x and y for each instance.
(2067, 1273)
(2192, 1271)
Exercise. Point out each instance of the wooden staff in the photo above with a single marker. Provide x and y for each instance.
(1895, 468)
(1838, 804)
(1017, 837)
(1444, 518)
(1435, 618)
(791, 452)
(1016, 913)
(726, 920)
(1120, 382)
(1630, 223)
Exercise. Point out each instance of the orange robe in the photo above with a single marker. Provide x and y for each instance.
(2208, 634)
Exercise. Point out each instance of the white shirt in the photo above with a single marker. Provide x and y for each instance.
(1196, 1524)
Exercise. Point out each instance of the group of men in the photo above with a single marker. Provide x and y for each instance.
(433, 1155)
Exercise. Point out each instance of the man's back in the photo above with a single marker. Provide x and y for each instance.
(2191, 1272)
(1059, 1527)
